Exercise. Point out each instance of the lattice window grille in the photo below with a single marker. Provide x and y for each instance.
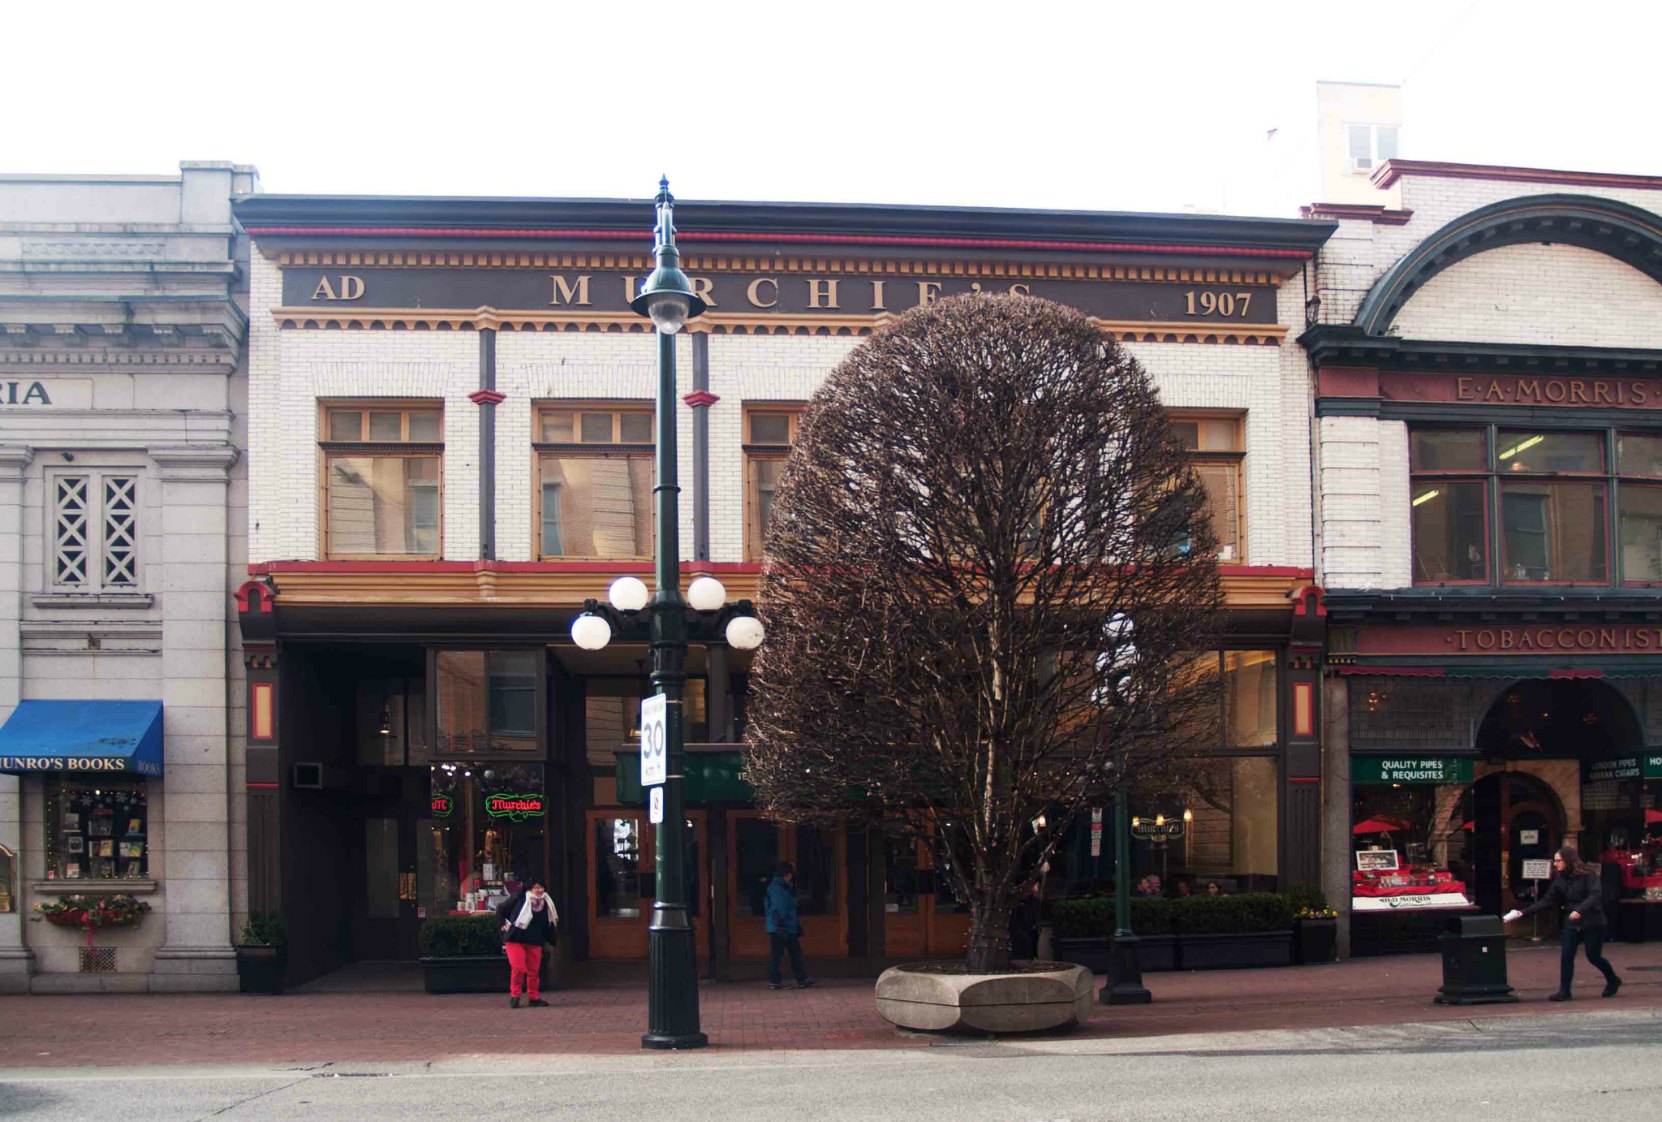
(120, 531)
(70, 553)
(97, 960)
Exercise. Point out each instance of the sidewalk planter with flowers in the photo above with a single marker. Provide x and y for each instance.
(262, 954)
(463, 954)
(1315, 926)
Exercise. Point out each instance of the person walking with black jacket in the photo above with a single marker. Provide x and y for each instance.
(528, 922)
(1575, 888)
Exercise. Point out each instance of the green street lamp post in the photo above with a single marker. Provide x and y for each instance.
(667, 622)
(1125, 974)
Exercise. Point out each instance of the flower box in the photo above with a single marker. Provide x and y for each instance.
(1315, 940)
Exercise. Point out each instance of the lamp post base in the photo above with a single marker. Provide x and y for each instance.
(672, 988)
(1125, 975)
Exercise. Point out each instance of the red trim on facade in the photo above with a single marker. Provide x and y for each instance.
(254, 592)
(1392, 170)
(1378, 215)
(266, 568)
(263, 786)
(1310, 599)
(1575, 673)
(701, 398)
(487, 397)
(1304, 779)
(810, 239)
(1393, 671)
(1265, 571)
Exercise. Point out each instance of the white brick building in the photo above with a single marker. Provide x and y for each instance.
(122, 534)
(510, 317)
(1487, 354)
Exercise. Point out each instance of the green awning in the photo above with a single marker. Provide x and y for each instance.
(712, 777)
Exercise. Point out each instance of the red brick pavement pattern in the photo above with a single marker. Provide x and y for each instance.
(608, 1016)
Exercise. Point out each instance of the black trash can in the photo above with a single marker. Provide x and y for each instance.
(1474, 962)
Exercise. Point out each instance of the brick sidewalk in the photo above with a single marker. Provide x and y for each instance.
(604, 1014)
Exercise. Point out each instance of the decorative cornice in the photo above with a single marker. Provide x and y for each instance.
(208, 463)
(14, 461)
(701, 399)
(217, 359)
(487, 397)
(717, 323)
(1392, 170)
(1378, 215)
(752, 263)
(1346, 344)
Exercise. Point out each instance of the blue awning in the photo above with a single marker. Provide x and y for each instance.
(83, 738)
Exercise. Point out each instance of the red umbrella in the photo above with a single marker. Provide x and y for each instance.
(1652, 817)
(1380, 825)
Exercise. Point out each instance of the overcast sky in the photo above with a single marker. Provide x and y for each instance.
(1103, 106)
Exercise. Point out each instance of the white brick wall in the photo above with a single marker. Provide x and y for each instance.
(291, 369)
(1526, 294)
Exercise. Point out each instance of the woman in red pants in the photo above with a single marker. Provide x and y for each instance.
(528, 921)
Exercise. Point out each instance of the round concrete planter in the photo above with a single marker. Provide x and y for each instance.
(1028, 1002)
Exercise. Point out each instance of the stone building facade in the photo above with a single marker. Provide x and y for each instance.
(122, 536)
(1487, 351)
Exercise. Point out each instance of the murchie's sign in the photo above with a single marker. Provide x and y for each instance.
(762, 292)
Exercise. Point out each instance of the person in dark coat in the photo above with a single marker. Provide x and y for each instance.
(784, 928)
(528, 922)
(1575, 888)
(1024, 926)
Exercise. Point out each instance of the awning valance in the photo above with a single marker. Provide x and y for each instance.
(83, 738)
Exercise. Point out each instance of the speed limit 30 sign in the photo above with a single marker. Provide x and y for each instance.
(654, 740)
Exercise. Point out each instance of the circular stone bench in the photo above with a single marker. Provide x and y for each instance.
(1045, 996)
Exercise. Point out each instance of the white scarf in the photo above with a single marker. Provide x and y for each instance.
(530, 909)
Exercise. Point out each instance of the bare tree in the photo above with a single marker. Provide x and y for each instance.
(990, 577)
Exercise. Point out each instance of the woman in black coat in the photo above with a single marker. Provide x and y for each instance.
(528, 921)
(1575, 888)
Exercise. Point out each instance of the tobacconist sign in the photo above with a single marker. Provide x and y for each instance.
(1526, 639)
(1411, 769)
(761, 292)
(515, 808)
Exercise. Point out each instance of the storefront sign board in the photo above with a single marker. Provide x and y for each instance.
(515, 808)
(765, 292)
(1404, 903)
(1622, 767)
(1492, 641)
(1529, 837)
(1096, 831)
(442, 805)
(654, 740)
(1376, 860)
(1653, 765)
(1567, 392)
(1537, 868)
(1411, 769)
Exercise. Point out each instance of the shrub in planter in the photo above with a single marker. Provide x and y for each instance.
(1315, 925)
(1082, 919)
(1242, 914)
(460, 936)
(261, 953)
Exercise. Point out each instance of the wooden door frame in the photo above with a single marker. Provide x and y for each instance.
(615, 937)
(747, 934)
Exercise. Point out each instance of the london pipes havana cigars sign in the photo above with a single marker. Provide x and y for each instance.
(751, 293)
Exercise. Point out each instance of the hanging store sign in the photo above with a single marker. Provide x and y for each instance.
(767, 292)
(1096, 831)
(1411, 769)
(515, 808)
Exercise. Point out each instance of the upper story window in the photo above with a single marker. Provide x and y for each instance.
(769, 432)
(382, 480)
(1214, 446)
(486, 701)
(94, 520)
(1370, 145)
(1527, 506)
(594, 480)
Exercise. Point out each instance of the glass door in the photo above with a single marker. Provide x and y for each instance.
(620, 873)
(921, 915)
(756, 848)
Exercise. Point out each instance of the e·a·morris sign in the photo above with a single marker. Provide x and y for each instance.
(772, 293)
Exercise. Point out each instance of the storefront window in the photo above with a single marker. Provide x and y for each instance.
(1621, 810)
(619, 868)
(1641, 531)
(1249, 679)
(1411, 832)
(489, 832)
(96, 831)
(1552, 531)
(1231, 835)
(8, 881)
(487, 701)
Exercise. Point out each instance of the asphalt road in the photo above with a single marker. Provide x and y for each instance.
(1587, 1065)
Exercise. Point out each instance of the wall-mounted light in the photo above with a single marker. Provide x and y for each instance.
(386, 721)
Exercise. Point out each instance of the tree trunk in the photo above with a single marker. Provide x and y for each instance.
(989, 939)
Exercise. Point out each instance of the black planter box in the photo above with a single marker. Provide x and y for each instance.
(1234, 951)
(1154, 952)
(1315, 940)
(260, 969)
(486, 973)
